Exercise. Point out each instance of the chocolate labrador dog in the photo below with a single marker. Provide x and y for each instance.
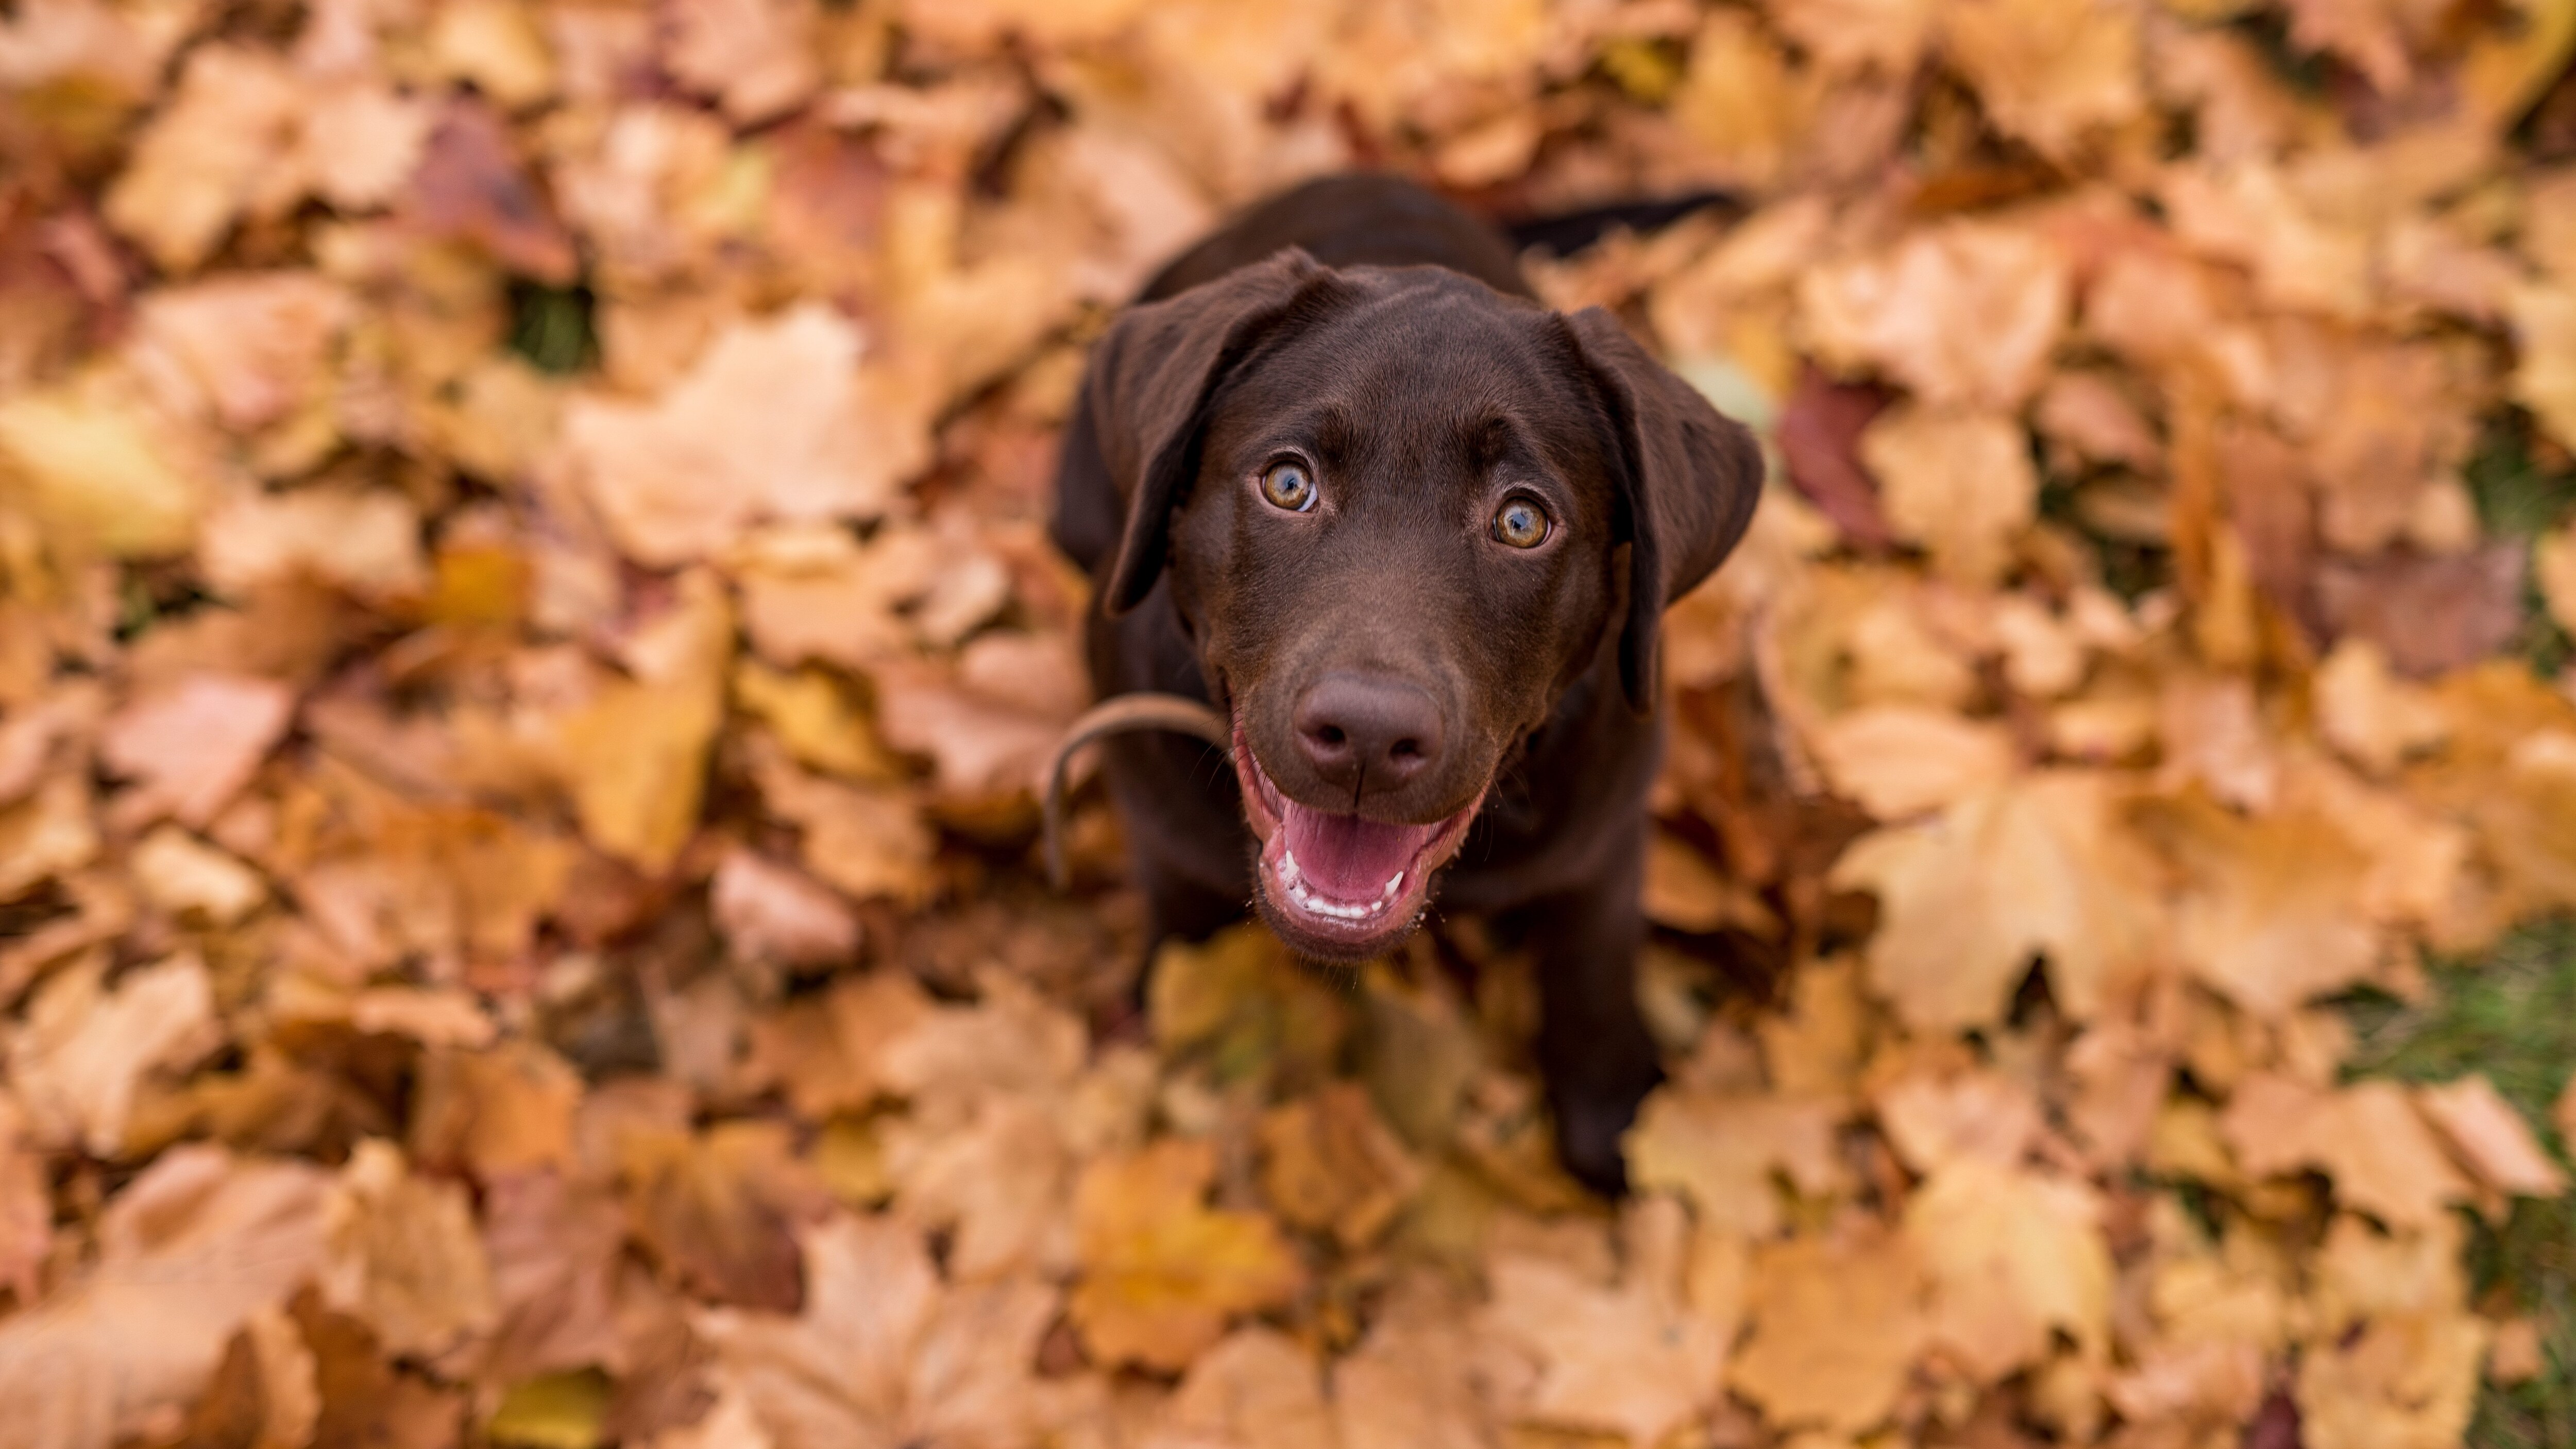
(1340, 475)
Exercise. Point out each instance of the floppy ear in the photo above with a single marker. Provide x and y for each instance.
(1145, 395)
(1687, 480)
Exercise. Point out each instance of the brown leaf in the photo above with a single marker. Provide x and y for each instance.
(719, 1211)
(403, 1256)
(208, 156)
(2490, 1138)
(775, 421)
(191, 746)
(1628, 1362)
(2013, 1257)
(1968, 898)
(2432, 614)
(637, 753)
(2049, 71)
(884, 1355)
(1819, 436)
(555, 1250)
(471, 187)
(192, 1248)
(1965, 313)
(86, 1050)
(769, 912)
(1721, 1152)
(1962, 485)
(1329, 1165)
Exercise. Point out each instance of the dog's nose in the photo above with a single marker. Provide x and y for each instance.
(1367, 734)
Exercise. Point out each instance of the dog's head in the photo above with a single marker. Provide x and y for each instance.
(1400, 514)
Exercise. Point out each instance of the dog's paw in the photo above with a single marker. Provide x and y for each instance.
(1589, 1126)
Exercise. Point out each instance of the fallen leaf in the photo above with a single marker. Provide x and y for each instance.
(2049, 71)
(1258, 1389)
(1721, 1153)
(884, 1355)
(756, 57)
(1969, 897)
(184, 876)
(2490, 1138)
(776, 421)
(1837, 1321)
(1329, 1165)
(208, 155)
(192, 746)
(720, 1210)
(2383, 1158)
(2013, 1256)
(403, 1256)
(87, 1050)
(1162, 1274)
(1961, 485)
(189, 1251)
(1965, 314)
(95, 468)
(637, 754)
(1899, 761)
(1621, 1362)
(768, 912)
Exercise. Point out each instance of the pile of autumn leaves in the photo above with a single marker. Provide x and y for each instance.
(439, 799)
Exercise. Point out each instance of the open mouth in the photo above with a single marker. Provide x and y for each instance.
(1338, 884)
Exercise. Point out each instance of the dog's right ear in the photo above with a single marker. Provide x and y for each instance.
(1145, 396)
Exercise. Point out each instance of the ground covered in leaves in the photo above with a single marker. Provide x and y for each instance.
(526, 632)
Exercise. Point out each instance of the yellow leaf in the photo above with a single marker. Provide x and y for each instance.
(637, 754)
(1721, 1152)
(1837, 1322)
(91, 469)
(1161, 1273)
(2012, 1256)
(1967, 898)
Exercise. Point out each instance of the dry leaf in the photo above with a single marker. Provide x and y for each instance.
(1627, 1362)
(403, 1256)
(192, 1248)
(1964, 314)
(1961, 485)
(776, 421)
(1837, 1322)
(86, 1050)
(2013, 1256)
(1900, 761)
(191, 746)
(1968, 898)
(2368, 1138)
(2491, 1138)
(1161, 1274)
(1721, 1153)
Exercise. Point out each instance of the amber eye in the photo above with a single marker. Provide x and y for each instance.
(1520, 523)
(1288, 485)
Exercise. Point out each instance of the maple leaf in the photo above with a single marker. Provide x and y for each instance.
(2368, 1137)
(2267, 914)
(769, 912)
(2490, 1138)
(96, 468)
(1913, 311)
(1721, 1153)
(1900, 760)
(1161, 1273)
(1970, 896)
(1623, 1361)
(403, 1256)
(1837, 1321)
(1331, 1166)
(883, 1354)
(776, 420)
(192, 746)
(2049, 71)
(2012, 1256)
(189, 1250)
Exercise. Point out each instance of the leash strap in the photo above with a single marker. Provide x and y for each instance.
(1117, 715)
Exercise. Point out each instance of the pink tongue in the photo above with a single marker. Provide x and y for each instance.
(1346, 858)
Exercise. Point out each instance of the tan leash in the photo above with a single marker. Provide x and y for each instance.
(1117, 715)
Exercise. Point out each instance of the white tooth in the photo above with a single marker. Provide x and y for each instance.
(1394, 883)
(1289, 875)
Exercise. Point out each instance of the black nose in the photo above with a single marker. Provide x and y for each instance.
(1367, 734)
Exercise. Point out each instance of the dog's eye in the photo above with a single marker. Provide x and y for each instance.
(1520, 523)
(1288, 485)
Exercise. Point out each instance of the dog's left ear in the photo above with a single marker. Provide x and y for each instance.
(1687, 477)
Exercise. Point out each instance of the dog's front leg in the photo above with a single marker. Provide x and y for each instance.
(1593, 1047)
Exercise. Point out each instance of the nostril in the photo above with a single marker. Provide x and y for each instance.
(1407, 749)
(1330, 735)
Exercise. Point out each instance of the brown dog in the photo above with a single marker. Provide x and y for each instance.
(1339, 475)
